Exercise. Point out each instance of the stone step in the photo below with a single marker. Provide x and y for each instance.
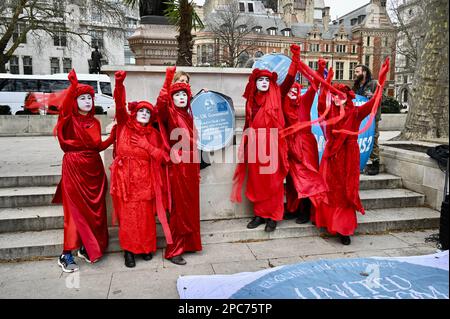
(380, 181)
(26, 196)
(34, 218)
(29, 180)
(39, 218)
(28, 245)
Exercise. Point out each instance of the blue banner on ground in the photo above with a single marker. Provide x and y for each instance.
(419, 277)
(214, 119)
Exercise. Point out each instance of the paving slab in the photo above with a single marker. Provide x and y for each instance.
(158, 283)
(290, 247)
(275, 262)
(240, 266)
(367, 242)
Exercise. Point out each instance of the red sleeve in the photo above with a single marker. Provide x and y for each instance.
(307, 99)
(290, 78)
(120, 99)
(365, 109)
(110, 140)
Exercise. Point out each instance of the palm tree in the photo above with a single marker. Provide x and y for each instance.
(180, 13)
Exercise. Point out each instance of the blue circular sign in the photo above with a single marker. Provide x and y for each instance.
(274, 62)
(365, 140)
(214, 119)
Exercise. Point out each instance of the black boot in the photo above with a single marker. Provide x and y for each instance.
(129, 259)
(147, 257)
(345, 240)
(255, 222)
(305, 212)
(178, 260)
(270, 225)
(374, 168)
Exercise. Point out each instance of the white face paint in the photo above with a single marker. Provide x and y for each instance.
(143, 116)
(262, 84)
(84, 103)
(293, 92)
(180, 99)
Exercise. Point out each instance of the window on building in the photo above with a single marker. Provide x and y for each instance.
(96, 38)
(313, 65)
(405, 96)
(27, 65)
(405, 79)
(327, 48)
(385, 42)
(242, 28)
(367, 61)
(352, 70)
(60, 39)
(54, 66)
(354, 21)
(257, 29)
(272, 31)
(241, 6)
(341, 48)
(287, 33)
(14, 65)
(250, 7)
(353, 48)
(19, 30)
(368, 41)
(67, 65)
(314, 47)
(203, 55)
(339, 70)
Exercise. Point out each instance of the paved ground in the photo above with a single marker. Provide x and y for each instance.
(109, 278)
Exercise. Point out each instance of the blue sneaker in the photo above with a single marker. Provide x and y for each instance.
(67, 263)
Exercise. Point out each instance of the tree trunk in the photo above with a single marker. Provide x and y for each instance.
(428, 114)
(3, 62)
(184, 39)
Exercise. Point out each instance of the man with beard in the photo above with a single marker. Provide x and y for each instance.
(364, 85)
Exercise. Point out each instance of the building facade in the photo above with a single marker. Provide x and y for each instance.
(363, 36)
(44, 54)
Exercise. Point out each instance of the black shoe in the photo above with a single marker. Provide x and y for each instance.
(147, 257)
(270, 225)
(129, 259)
(345, 240)
(303, 219)
(82, 253)
(178, 260)
(256, 221)
(373, 169)
(289, 216)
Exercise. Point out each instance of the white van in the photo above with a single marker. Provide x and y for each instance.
(14, 88)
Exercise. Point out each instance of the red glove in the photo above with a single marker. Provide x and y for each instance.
(73, 77)
(120, 76)
(295, 50)
(140, 142)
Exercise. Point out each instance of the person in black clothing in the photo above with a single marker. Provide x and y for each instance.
(96, 58)
(364, 85)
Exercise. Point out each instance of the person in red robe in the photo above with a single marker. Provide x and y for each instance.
(266, 173)
(173, 105)
(83, 184)
(340, 161)
(304, 183)
(138, 176)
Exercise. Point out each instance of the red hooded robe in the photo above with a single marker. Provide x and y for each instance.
(184, 174)
(138, 177)
(83, 184)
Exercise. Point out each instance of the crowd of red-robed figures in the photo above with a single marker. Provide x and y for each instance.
(149, 177)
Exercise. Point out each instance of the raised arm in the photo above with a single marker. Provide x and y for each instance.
(321, 105)
(120, 98)
(292, 72)
(67, 104)
(308, 97)
(162, 103)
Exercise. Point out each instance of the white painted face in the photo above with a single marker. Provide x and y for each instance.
(84, 102)
(262, 84)
(180, 99)
(293, 93)
(143, 116)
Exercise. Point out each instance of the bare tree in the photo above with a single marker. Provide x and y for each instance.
(234, 30)
(410, 34)
(20, 18)
(428, 115)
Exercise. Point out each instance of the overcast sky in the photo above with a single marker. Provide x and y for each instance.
(338, 7)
